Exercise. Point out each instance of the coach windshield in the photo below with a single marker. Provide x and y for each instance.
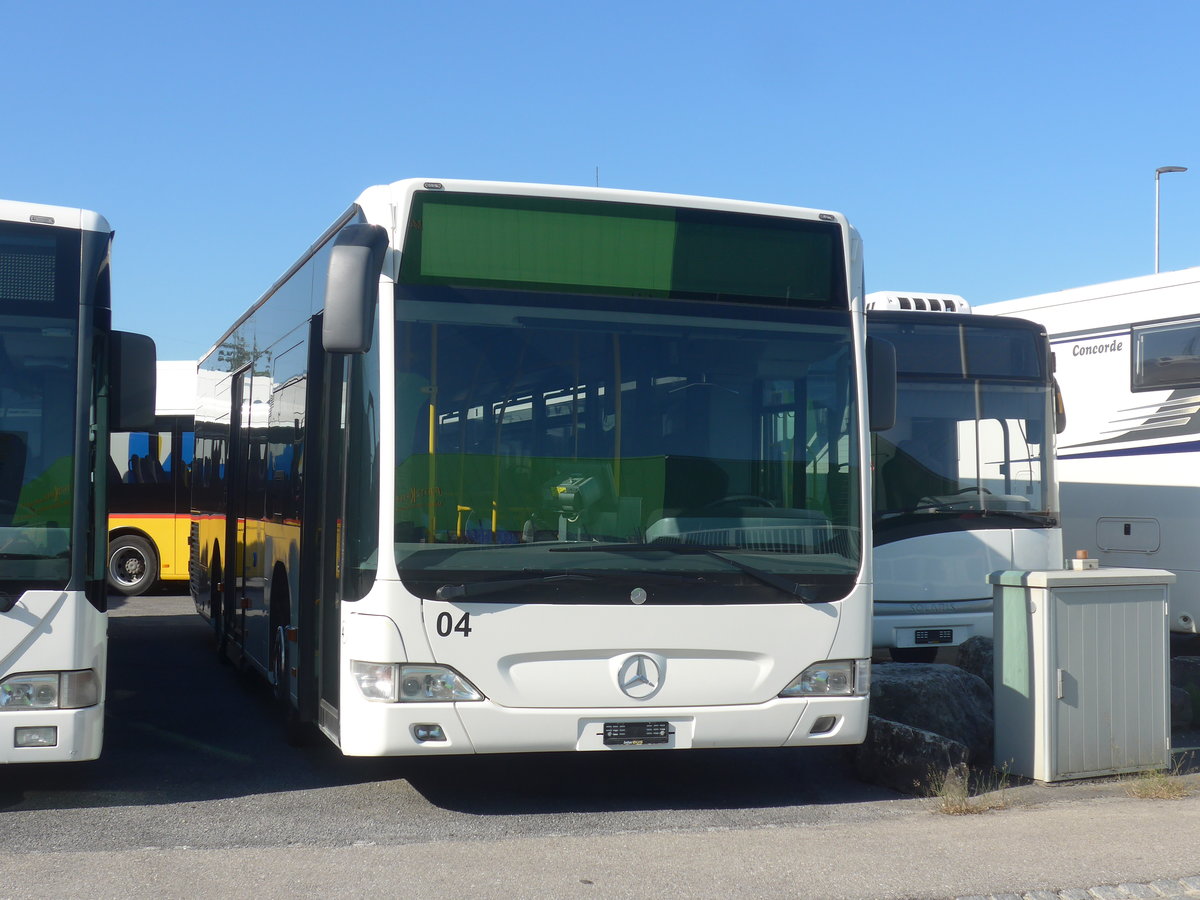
(671, 427)
(973, 435)
(39, 306)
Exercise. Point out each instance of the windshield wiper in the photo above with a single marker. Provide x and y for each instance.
(478, 588)
(1036, 518)
(971, 512)
(471, 589)
(783, 583)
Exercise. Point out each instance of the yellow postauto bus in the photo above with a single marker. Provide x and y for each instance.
(149, 489)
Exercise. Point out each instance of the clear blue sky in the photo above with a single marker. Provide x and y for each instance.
(992, 150)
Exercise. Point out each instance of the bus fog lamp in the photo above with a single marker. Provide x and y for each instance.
(36, 736)
(30, 691)
(833, 678)
(823, 725)
(426, 733)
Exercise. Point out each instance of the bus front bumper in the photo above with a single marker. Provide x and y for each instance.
(51, 735)
(381, 729)
(930, 625)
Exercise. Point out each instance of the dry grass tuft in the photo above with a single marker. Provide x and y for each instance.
(957, 793)
(1159, 784)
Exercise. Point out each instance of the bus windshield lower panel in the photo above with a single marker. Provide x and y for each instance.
(590, 454)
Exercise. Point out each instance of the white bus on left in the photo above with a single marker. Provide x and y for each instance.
(66, 380)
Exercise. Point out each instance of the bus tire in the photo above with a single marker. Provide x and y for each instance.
(132, 565)
(216, 603)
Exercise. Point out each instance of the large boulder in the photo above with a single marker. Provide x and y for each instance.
(1181, 709)
(904, 758)
(938, 698)
(1185, 672)
(977, 655)
(1185, 678)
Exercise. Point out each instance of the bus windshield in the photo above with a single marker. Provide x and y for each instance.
(39, 307)
(971, 433)
(521, 435)
(673, 387)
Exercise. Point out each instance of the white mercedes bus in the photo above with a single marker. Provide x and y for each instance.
(513, 467)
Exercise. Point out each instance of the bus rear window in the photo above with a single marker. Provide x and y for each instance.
(625, 249)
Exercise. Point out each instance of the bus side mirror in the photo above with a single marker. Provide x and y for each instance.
(881, 384)
(1060, 410)
(352, 288)
(131, 382)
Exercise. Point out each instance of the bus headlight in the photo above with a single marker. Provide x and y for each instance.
(50, 690)
(832, 678)
(403, 683)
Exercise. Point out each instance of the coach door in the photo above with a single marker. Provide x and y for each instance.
(232, 611)
(328, 501)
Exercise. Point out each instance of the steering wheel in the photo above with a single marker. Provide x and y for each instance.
(968, 490)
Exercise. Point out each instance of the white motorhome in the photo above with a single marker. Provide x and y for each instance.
(964, 480)
(1128, 362)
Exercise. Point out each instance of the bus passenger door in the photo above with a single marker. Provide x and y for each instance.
(329, 505)
(232, 611)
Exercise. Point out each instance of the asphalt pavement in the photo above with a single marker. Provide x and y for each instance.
(198, 794)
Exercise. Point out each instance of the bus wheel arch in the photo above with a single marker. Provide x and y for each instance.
(132, 562)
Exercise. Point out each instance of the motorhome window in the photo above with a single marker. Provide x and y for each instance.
(558, 245)
(1166, 356)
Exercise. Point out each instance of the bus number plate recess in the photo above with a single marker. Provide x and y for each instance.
(934, 636)
(633, 734)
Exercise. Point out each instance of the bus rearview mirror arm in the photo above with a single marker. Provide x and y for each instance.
(881, 384)
(352, 288)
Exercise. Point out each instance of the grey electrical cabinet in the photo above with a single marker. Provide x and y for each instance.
(1081, 672)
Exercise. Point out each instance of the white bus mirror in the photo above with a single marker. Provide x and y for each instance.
(1060, 410)
(352, 287)
(131, 382)
(881, 384)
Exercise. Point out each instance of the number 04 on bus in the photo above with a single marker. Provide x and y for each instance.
(509, 467)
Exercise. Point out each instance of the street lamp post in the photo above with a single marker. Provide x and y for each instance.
(1157, 172)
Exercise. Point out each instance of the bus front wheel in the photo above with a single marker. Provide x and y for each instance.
(132, 565)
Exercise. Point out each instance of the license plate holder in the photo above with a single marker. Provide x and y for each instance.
(636, 734)
(934, 636)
